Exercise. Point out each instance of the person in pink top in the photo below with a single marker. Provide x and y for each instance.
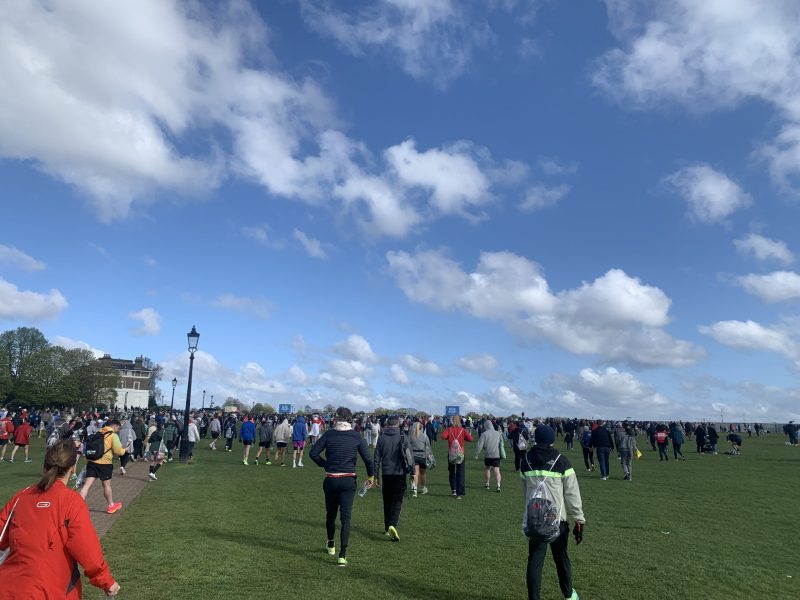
(22, 439)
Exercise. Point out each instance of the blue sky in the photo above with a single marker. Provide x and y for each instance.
(509, 206)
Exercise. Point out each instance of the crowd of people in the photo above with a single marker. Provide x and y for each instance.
(396, 450)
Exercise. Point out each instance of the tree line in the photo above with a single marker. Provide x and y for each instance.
(34, 372)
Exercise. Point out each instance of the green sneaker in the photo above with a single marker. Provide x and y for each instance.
(393, 533)
(342, 562)
(574, 596)
(331, 550)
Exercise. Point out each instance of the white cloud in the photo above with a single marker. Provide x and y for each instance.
(454, 179)
(256, 308)
(749, 335)
(357, 348)
(151, 322)
(482, 363)
(258, 233)
(541, 196)
(399, 375)
(615, 316)
(608, 393)
(552, 166)
(70, 344)
(774, 287)
(350, 368)
(389, 212)
(499, 401)
(150, 262)
(11, 256)
(710, 55)
(420, 365)
(764, 248)
(297, 375)
(354, 385)
(16, 304)
(312, 246)
(432, 39)
(712, 196)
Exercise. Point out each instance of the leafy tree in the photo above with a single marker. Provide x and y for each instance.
(267, 409)
(329, 409)
(380, 411)
(157, 372)
(19, 346)
(229, 401)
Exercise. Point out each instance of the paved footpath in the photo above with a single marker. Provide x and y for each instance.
(125, 489)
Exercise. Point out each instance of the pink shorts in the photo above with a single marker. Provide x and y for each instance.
(298, 445)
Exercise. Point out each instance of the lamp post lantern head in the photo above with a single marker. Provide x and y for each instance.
(174, 382)
(193, 338)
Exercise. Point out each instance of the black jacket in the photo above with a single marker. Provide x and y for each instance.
(341, 450)
(601, 438)
(388, 453)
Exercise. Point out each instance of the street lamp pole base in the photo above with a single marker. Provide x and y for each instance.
(186, 450)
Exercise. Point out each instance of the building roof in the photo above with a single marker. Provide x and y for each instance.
(124, 364)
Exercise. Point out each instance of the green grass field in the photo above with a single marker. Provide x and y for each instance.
(712, 527)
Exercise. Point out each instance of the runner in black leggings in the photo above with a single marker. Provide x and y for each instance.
(341, 445)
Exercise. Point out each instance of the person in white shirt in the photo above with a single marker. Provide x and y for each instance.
(193, 436)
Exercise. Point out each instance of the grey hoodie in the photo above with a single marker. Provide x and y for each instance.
(265, 433)
(387, 453)
(420, 445)
(491, 442)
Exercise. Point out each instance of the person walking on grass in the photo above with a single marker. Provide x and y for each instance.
(140, 429)
(192, 437)
(102, 468)
(6, 430)
(216, 428)
(155, 451)
(676, 435)
(491, 444)
(341, 446)
(585, 432)
(713, 438)
(421, 448)
(662, 441)
(544, 465)
(603, 444)
(247, 435)
(388, 457)
(283, 436)
(126, 438)
(627, 449)
(518, 438)
(456, 436)
(700, 437)
(264, 440)
(170, 433)
(299, 435)
(22, 439)
(229, 432)
(50, 534)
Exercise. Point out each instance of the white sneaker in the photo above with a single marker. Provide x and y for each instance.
(122, 470)
(300, 464)
(152, 476)
(424, 490)
(294, 465)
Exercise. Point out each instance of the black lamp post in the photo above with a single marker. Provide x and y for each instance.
(212, 400)
(203, 407)
(193, 338)
(172, 403)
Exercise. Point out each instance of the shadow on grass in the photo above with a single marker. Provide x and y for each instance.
(393, 585)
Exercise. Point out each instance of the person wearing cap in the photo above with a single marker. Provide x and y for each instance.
(341, 445)
(102, 468)
(543, 463)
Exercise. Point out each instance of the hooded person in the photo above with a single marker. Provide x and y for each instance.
(283, 435)
(126, 437)
(299, 435)
(493, 448)
(544, 465)
(388, 457)
(341, 446)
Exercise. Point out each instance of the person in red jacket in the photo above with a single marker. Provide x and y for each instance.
(49, 535)
(6, 429)
(456, 435)
(22, 439)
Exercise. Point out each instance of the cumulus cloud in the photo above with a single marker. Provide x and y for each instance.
(357, 348)
(482, 363)
(712, 196)
(749, 335)
(70, 344)
(420, 365)
(297, 375)
(710, 55)
(151, 322)
(399, 375)
(608, 393)
(312, 246)
(13, 257)
(773, 287)
(17, 304)
(432, 39)
(256, 308)
(616, 316)
(764, 248)
(754, 401)
(502, 400)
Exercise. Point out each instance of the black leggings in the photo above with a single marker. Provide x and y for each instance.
(676, 450)
(394, 488)
(588, 457)
(339, 495)
(536, 552)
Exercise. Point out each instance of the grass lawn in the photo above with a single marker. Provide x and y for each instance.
(712, 527)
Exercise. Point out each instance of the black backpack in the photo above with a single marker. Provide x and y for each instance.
(406, 455)
(96, 446)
